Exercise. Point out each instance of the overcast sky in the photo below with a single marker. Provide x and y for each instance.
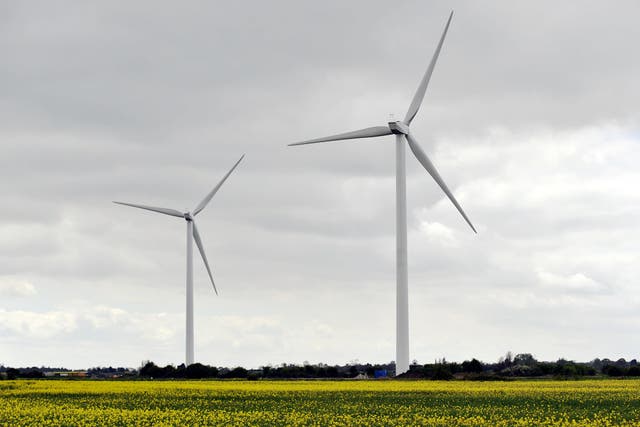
(531, 117)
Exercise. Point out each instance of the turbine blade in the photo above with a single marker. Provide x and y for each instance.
(362, 133)
(422, 89)
(209, 196)
(424, 160)
(196, 237)
(165, 211)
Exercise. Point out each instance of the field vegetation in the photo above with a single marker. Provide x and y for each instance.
(602, 402)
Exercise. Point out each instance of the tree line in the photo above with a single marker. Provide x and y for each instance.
(522, 365)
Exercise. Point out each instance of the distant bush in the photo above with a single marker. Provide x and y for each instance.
(238, 372)
(612, 371)
(198, 370)
(521, 371)
(439, 371)
(634, 371)
(12, 373)
(568, 368)
(34, 373)
(473, 365)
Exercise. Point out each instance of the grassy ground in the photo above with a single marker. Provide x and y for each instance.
(352, 403)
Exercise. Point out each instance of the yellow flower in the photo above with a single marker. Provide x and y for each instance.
(326, 403)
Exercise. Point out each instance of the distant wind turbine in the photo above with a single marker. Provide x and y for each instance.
(401, 131)
(192, 234)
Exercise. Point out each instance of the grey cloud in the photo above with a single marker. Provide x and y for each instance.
(530, 117)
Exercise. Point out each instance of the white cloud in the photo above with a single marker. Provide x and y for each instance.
(576, 282)
(16, 288)
(543, 158)
(31, 325)
(96, 321)
(438, 233)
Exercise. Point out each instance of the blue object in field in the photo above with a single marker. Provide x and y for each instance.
(380, 373)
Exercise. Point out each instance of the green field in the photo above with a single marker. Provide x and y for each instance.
(353, 403)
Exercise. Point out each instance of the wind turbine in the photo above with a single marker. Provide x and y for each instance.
(401, 131)
(192, 234)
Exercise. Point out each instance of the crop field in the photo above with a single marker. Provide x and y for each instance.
(352, 403)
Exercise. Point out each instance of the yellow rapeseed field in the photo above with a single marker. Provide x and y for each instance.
(320, 403)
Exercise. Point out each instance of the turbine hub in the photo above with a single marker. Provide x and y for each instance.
(187, 216)
(399, 128)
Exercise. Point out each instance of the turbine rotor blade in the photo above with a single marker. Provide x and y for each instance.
(362, 133)
(424, 160)
(422, 89)
(196, 237)
(209, 196)
(165, 211)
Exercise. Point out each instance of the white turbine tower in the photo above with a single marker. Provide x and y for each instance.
(402, 133)
(192, 234)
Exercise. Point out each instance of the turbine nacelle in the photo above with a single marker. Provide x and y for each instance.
(188, 216)
(399, 128)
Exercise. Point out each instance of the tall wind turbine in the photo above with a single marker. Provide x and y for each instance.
(192, 234)
(401, 131)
